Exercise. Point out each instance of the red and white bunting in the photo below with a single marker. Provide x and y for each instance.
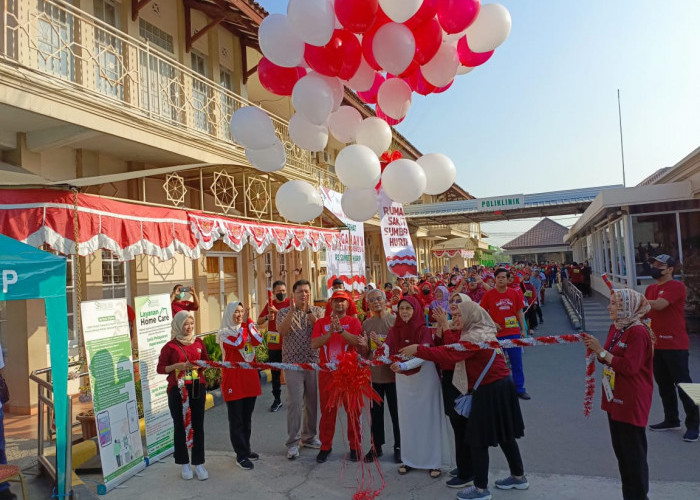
(465, 254)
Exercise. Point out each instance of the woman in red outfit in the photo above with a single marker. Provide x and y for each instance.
(238, 338)
(495, 418)
(177, 360)
(628, 386)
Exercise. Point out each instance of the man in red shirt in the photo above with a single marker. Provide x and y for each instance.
(333, 335)
(274, 339)
(505, 306)
(178, 302)
(667, 299)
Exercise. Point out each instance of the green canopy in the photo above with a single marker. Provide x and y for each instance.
(29, 273)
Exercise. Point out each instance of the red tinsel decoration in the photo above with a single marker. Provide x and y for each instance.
(386, 158)
(590, 383)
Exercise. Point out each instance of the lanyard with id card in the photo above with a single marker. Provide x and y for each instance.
(608, 382)
(273, 337)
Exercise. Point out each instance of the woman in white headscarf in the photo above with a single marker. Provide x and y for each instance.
(177, 360)
(238, 338)
(628, 359)
(495, 418)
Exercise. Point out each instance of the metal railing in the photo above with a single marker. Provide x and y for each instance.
(575, 298)
(69, 45)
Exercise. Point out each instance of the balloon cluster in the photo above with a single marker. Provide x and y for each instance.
(384, 50)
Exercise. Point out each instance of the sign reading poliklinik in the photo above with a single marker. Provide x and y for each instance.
(510, 202)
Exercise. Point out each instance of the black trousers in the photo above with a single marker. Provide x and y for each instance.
(538, 310)
(275, 357)
(388, 393)
(531, 317)
(480, 461)
(182, 456)
(671, 368)
(630, 445)
(240, 414)
(459, 426)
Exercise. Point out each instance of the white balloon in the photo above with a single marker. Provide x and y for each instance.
(374, 133)
(363, 79)
(442, 68)
(463, 70)
(314, 98)
(359, 204)
(269, 159)
(440, 172)
(394, 97)
(394, 47)
(358, 167)
(343, 123)
(403, 180)
(252, 128)
(298, 201)
(490, 28)
(336, 86)
(400, 11)
(279, 43)
(312, 20)
(307, 135)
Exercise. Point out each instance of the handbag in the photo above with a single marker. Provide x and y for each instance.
(463, 403)
(4, 391)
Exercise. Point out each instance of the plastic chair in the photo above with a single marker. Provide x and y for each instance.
(14, 474)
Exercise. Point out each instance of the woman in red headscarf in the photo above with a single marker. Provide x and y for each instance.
(418, 392)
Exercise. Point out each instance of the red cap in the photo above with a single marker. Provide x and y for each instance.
(341, 294)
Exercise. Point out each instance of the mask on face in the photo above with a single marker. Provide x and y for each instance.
(655, 273)
(280, 296)
(181, 295)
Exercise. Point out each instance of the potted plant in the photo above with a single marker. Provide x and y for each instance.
(87, 423)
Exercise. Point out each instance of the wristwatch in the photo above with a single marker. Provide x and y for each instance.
(602, 354)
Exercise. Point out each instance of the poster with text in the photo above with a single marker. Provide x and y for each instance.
(153, 326)
(347, 261)
(108, 349)
(398, 247)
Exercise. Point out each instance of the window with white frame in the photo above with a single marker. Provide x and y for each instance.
(114, 277)
(200, 93)
(160, 90)
(108, 47)
(227, 102)
(55, 29)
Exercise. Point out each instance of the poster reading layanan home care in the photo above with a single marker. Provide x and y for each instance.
(398, 247)
(346, 262)
(108, 348)
(153, 325)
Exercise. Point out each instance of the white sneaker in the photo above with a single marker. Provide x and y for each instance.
(292, 452)
(202, 473)
(312, 443)
(187, 472)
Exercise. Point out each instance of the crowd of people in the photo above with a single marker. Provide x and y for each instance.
(479, 392)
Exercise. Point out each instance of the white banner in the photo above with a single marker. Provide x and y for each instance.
(153, 324)
(108, 348)
(398, 247)
(347, 260)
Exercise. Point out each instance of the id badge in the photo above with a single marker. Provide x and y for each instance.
(608, 382)
(273, 338)
(248, 352)
(528, 293)
(373, 345)
(511, 322)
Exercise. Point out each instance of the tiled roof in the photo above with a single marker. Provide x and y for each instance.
(546, 233)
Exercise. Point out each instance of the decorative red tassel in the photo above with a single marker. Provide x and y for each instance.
(590, 383)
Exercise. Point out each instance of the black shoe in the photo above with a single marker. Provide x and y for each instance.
(276, 405)
(690, 436)
(397, 455)
(524, 395)
(373, 454)
(665, 426)
(245, 464)
(458, 482)
(323, 456)
(253, 457)
(354, 456)
(454, 472)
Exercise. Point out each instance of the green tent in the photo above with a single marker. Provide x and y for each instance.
(29, 273)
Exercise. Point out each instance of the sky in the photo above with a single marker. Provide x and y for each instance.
(542, 114)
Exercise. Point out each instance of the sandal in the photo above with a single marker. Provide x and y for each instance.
(403, 469)
(435, 473)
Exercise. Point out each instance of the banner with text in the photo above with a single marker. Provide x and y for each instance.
(108, 348)
(498, 203)
(153, 324)
(398, 247)
(347, 260)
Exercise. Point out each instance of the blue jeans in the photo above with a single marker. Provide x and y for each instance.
(515, 354)
(3, 458)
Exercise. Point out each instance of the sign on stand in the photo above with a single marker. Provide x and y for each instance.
(108, 348)
(153, 325)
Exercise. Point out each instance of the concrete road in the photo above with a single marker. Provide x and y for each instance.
(566, 455)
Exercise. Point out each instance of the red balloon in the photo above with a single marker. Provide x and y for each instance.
(457, 15)
(391, 121)
(440, 90)
(370, 96)
(421, 85)
(428, 40)
(380, 20)
(356, 15)
(278, 80)
(340, 57)
(426, 12)
(469, 58)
